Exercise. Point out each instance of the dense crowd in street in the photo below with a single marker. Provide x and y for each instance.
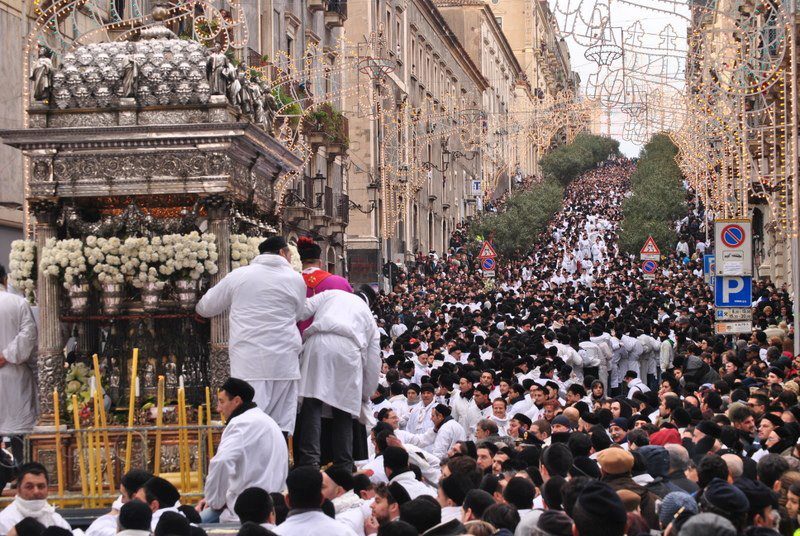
(567, 397)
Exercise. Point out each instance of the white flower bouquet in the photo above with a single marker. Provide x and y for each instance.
(190, 256)
(296, 263)
(105, 257)
(243, 249)
(64, 259)
(22, 274)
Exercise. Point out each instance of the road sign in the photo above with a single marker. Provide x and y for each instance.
(488, 274)
(649, 268)
(732, 328)
(476, 186)
(709, 261)
(487, 250)
(733, 247)
(650, 251)
(488, 264)
(733, 314)
(733, 291)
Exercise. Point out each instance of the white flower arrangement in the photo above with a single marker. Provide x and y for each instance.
(21, 273)
(243, 249)
(105, 257)
(64, 259)
(190, 256)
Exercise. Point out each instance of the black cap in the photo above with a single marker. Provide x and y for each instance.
(726, 497)
(172, 524)
(443, 410)
(236, 387)
(758, 494)
(600, 501)
(273, 244)
(135, 515)
(165, 493)
(342, 477)
(135, 479)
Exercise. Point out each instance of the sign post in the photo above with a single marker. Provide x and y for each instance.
(650, 251)
(731, 274)
(649, 269)
(487, 258)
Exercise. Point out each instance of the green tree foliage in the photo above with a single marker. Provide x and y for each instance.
(658, 198)
(570, 161)
(525, 217)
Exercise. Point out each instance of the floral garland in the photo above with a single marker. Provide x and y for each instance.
(64, 259)
(22, 274)
(105, 256)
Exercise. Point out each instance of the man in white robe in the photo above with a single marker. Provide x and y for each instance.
(265, 299)
(339, 369)
(31, 501)
(305, 504)
(18, 337)
(251, 453)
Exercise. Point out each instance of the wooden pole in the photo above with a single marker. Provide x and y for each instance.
(59, 461)
(199, 459)
(79, 450)
(131, 408)
(159, 423)
(104, 423)
(209, 432)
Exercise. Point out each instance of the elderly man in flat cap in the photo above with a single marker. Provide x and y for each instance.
(265, 299)
(251, 453)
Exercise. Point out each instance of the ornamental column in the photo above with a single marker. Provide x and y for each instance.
(50, 364)
(218, 209)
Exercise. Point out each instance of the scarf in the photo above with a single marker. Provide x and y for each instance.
(241, 409)
(40, 510)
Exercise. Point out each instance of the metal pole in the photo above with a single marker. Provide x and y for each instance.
(795, 236)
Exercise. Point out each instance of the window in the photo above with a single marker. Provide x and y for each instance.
(499, 21)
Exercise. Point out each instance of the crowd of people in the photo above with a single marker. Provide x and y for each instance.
(568, 397)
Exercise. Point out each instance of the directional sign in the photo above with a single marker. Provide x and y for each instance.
(488, 264)
(733, 247)
(733, 291)
(650, 251)
(487, 250)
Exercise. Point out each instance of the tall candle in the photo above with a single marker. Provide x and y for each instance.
(92, 386)
(180, 381)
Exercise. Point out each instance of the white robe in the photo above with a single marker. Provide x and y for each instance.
(11, 515)
(312, 522)
(265, 299)
(18, 337)
(341, 356)
(251, 453)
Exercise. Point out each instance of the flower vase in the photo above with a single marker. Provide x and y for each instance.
(78, 294)
(111, 297)
(186, 291)
(151, 297)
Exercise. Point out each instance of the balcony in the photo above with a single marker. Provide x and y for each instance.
(336, 14)
(317, 5)
(323, 209)
(297, 209)
(341, 214)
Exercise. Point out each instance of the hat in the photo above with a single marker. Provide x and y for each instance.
(562, 420)
(774, 419)
(443, 410)
(342, 477)
(672, 502)
(555, 523)
(709, 428)
(236, 387)
(172, 523)
(758, 494)
(399, 493)
(600, 501)
(620, 422)
(665, 436)
(630, 499)
(252, 504)
(307, 249)
(777, 372)
(725, 497)
(707, 524)
(615, 461)
(273, 244)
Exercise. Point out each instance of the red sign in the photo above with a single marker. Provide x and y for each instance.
(487, 251)
(650, 247)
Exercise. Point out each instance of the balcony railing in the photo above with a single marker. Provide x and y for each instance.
(342, 209)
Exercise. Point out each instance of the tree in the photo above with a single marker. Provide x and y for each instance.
(658, 198)
(526, 216)
(570, 161)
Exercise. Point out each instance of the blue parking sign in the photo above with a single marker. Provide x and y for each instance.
(733, 291)
(709, 268)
